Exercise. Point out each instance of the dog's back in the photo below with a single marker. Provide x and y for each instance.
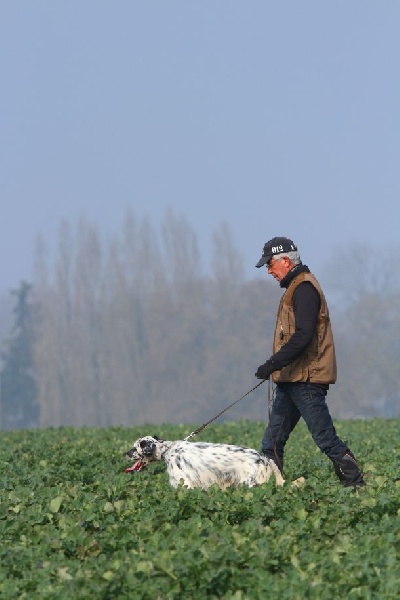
(203, 464)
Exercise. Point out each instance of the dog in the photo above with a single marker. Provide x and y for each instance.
(201, 464)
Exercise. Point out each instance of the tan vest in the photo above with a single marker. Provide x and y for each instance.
(317, 363)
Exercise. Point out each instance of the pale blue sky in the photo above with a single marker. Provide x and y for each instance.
(280, 118)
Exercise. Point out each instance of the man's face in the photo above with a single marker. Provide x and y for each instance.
(279, 268)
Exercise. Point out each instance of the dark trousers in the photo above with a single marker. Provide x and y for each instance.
(295, 400)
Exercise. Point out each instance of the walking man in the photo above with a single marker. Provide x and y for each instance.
(303, 363)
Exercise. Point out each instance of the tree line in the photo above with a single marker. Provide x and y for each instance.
(130, 330)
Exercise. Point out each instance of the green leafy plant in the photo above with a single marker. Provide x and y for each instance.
(73, 524)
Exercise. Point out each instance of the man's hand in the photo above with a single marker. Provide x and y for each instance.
(264, 371)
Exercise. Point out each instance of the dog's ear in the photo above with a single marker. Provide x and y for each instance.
(147, 446)
(157, 438)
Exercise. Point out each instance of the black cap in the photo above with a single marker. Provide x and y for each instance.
(276, 246)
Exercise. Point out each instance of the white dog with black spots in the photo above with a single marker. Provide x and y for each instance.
(200, 464)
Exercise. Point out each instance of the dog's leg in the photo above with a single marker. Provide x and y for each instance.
(298, 482)
(177, 476)
(277, 474)
(279, 479)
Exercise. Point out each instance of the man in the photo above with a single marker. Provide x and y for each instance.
(303, 363)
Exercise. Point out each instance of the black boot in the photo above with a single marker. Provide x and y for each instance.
(347, 470)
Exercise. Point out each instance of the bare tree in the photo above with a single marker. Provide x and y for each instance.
(51, 350)
(132, 331)
(366, 289)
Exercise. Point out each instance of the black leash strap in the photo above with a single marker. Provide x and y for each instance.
(196, 431)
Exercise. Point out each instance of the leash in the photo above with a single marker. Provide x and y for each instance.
(196, 431)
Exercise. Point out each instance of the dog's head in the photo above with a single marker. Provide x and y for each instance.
(144, 451)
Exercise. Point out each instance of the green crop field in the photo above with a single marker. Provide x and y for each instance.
(74, 525)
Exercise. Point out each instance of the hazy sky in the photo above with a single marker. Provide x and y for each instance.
(280, 118)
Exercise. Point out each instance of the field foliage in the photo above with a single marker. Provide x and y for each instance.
(74, 525)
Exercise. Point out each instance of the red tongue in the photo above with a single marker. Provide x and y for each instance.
(136, 467)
